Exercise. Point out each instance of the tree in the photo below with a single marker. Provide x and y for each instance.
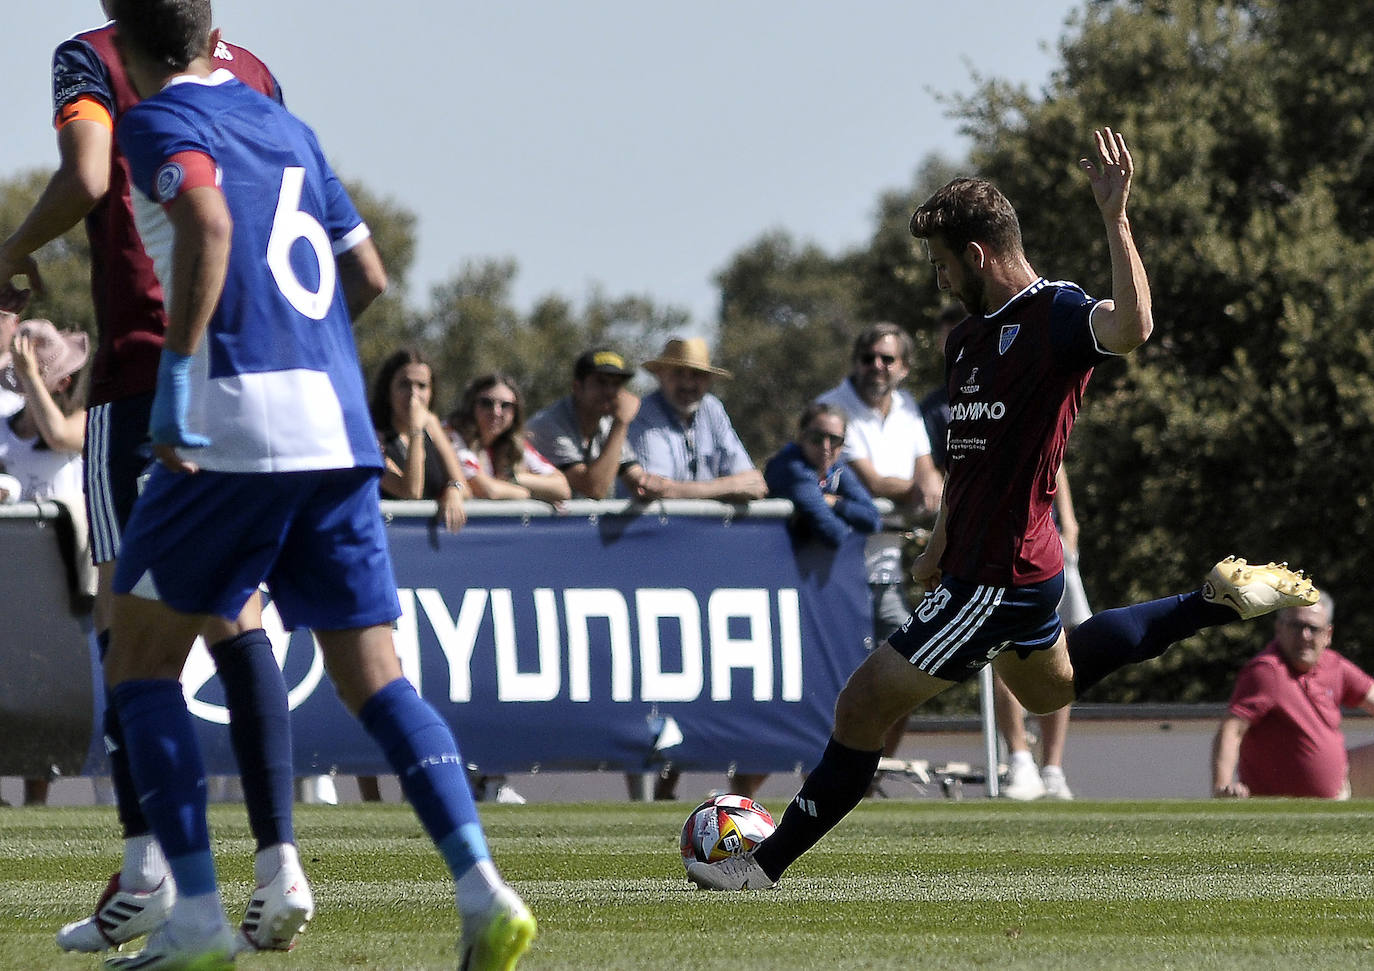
(64, 263)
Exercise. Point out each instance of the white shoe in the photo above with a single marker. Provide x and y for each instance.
(1023, 782)
(736, 873)
(164, 951)
(1253, 590)
(495, 939)
(120, 916)
(1056, 786)
(277, 912)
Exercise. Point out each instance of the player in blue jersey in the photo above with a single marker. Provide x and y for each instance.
(1016, 370)
(269, 468)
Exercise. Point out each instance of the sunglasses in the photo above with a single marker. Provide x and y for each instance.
(814, 436)
(872, 358)
(496, 404)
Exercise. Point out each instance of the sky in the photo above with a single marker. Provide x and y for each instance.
(633, 147)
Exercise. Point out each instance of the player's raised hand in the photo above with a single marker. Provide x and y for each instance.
(1110, 173)
(15, 299)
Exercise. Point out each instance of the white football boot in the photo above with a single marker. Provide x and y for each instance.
(120, 916)
(735, 873)
(1253, 590)
(277, 912)
(165, 950)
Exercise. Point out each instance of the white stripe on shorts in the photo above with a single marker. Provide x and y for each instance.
(954, 635)
(104, 522)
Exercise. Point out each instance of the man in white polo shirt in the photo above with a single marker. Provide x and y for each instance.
(887, 445)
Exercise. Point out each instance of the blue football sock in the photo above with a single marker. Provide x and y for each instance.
(424, 755)
(131, 818)
(260, 732)
(834, 787)
(164, 757)
(1115, 638)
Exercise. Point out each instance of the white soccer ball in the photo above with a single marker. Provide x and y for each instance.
(722, 827)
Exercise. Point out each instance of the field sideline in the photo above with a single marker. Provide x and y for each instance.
(923, 884)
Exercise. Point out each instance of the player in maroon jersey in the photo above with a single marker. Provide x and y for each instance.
(1016, 369)
(90, 92)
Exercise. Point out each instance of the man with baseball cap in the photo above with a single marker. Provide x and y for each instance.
(684, 438)
(586, 434)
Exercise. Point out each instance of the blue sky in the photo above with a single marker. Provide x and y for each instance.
(635, 146)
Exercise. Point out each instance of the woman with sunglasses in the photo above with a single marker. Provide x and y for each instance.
(830, 500)
(488, 432)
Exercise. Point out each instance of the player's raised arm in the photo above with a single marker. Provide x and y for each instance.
(1124, 323)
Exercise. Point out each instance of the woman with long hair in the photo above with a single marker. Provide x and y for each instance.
(488, 432)
(420, 462)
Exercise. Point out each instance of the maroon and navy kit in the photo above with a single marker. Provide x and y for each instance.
(125, 291)
(1016, 379)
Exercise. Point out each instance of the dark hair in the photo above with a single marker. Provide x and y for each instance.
(508, 451)
(171, 32)
(380, 406)
(817, 409)
(967, 211)
(872, 334)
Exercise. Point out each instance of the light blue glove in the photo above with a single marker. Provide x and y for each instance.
(167, 424)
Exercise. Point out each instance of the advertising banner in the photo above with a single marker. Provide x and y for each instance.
(596, 641)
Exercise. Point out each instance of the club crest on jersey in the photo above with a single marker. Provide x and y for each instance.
(167, 181)
(1009, 332)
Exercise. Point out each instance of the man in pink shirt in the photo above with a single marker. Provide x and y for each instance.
(1283, 734)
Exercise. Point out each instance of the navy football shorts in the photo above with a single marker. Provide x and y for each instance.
(958, 628)
(115, 455)
(202, 543)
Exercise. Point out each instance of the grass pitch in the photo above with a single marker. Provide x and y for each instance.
(912, 884)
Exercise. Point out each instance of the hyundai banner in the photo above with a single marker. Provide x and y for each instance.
(581, 642)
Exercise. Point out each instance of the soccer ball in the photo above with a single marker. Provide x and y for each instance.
(722, 827)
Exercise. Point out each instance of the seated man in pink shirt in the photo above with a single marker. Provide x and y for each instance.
(1283, 734)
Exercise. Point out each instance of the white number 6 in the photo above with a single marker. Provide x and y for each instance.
(288, 225)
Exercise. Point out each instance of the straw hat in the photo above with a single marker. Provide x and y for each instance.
(60, 353)
(690, 352)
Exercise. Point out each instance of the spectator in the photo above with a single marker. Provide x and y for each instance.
(1024, 781)
(830, 500)
(586, 434)
(1282, 736)
(887, 446)
(488, 433)
(683, 437)
(689, 450)
(420, 461)
(40, 444)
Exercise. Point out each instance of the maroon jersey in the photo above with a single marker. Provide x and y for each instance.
(1016, 379)
(124, 289)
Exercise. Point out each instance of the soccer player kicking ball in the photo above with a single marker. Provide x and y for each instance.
(1016, 368)
(263, 259)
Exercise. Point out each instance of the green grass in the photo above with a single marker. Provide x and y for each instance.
(913, 884)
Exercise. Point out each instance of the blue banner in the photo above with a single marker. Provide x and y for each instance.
(577, 642)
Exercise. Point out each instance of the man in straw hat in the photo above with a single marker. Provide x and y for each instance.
(684, 439)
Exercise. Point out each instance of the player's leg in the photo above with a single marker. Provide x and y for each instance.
(1023, 778)
(1054, 731)
(334, 575)
(1112, 639)
(260, 733)
(138, 897)
(147, 652)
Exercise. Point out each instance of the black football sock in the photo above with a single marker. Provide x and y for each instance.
(834, 787)
(1113, 639)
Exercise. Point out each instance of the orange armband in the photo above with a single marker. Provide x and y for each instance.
(84, 108)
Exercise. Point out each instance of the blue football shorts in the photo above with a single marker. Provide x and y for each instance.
(202, 543)
(958, 628)
(114, 455)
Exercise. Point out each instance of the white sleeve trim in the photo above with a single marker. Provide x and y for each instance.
(352, 238)
(1092, 330)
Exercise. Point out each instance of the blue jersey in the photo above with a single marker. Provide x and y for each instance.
(276, 384)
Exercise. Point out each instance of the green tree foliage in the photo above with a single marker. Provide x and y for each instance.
(64, 263)
(1246, 425)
